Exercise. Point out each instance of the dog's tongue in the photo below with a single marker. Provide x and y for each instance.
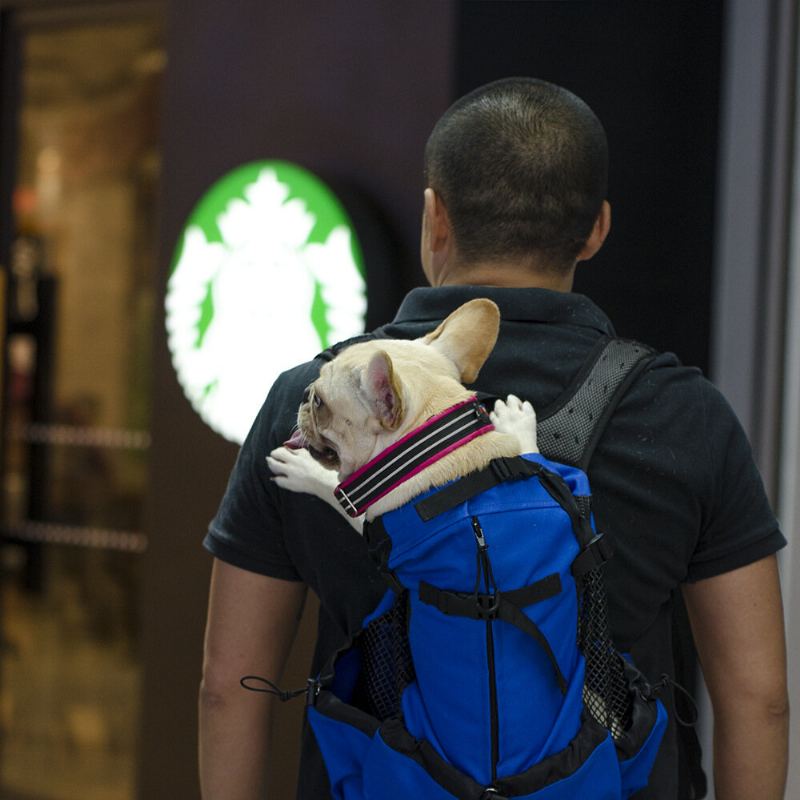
(296, 442)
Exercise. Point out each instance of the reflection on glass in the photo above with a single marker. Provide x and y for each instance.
(75, 435)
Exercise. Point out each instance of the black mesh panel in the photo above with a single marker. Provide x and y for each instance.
(387, 667)
(605, 689)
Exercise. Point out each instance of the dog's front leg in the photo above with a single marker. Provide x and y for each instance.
(297, 471)
(518, 418)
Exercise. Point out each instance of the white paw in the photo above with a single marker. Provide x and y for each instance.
(297, 471)
(518, 418)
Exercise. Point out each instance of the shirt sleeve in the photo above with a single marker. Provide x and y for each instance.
(738, 525)
(248, 530)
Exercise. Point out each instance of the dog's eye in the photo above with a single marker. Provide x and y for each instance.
(318, 401)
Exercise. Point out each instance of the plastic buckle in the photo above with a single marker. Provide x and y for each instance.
(487, 604)
(490, 793)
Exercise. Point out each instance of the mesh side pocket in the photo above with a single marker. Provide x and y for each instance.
(606, 692)
(387, 667)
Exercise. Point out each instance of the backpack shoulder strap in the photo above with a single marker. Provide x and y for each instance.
(570, 428)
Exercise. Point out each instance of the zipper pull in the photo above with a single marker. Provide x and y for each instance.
(479, 537)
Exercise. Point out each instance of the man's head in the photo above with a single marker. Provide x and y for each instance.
(519, 170)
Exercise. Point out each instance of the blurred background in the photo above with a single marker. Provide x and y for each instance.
(116, 118)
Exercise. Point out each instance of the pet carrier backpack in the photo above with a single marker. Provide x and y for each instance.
(487, 671)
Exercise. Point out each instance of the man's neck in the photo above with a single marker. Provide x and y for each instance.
(507, 274)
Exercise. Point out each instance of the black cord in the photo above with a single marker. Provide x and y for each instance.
(247, 681)
(667, 681)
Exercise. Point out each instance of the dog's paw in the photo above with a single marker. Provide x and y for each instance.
(297, 471)
(517, 418)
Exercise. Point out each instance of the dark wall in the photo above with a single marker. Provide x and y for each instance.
(651, 72)
(350, 90)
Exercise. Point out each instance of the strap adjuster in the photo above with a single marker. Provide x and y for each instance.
(487, 605)
(501, 469)
(594, 555)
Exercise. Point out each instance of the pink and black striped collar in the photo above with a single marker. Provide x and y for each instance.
(418, 449)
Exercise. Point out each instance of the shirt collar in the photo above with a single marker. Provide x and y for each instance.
(433, 304)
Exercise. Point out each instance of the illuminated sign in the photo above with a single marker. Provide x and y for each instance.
(267, 273)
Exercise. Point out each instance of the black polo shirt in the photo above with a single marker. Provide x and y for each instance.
(673, 480)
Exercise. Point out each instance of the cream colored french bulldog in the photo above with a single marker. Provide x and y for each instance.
(375, 392)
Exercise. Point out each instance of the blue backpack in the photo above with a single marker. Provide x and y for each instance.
(487, 670)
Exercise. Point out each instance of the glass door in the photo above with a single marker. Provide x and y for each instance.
(81, 272)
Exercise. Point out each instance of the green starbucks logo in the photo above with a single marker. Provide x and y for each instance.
(267, 273)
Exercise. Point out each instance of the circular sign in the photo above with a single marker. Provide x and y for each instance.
(267, 273)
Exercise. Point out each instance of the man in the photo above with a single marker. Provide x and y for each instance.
(516, 174)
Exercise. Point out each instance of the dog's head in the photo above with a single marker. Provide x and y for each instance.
(372, 393)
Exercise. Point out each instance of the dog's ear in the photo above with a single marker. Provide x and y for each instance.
(383, 391)
(468, 336)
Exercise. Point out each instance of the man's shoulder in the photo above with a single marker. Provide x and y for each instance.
(291, 383)
(280, 406)
(664, 372)
(301, 375)
(679, 405)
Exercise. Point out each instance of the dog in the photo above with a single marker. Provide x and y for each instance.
(373, 393)
(370, 397)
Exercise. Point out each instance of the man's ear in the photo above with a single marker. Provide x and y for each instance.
(602, 225)
(383, 391)
(436, 240)
(468, 336)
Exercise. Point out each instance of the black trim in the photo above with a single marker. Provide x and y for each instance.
(395, 735)
(558, 766)
(328, 704)
(552, 769)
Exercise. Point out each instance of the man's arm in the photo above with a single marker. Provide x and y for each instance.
(737, 622)
(252, 621)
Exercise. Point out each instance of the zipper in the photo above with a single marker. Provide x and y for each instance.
(485, 569)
